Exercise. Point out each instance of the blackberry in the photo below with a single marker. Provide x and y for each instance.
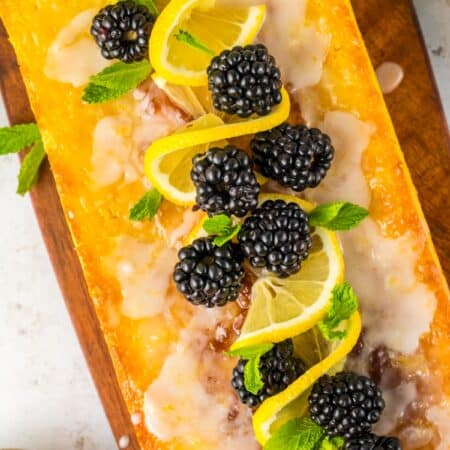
(297, 157)
(244, 81)
(225, 182)
(279, 368)
(209, 275)
(276, 237)
(346, 404)
(372, 442)
(122, 31)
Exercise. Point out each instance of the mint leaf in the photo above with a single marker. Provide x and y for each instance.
(343, 304)
(98, 94)
(297, 434)
(150, 4)
(337, 216)
(147, 206)
(122, 75)
(222, 240)
(219, 225)
(115, 81)
(332, 443)
(222, 227)
(18, 137)
(251, 352)
(252, 376)
(192, 41)
(29, 170)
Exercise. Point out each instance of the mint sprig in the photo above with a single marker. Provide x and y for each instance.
(251, 352)
(29, 170)
(17, 138)
(150, 4)
(222, 227)
(337, 216)
(297, 434)
(115, 81)
(343, 304)
(303, 434)
(147, 207)
(332, 443)
(190, 40)
(252, 375)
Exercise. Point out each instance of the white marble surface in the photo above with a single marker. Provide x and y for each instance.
(48, 400)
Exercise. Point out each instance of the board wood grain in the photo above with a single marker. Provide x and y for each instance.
(391, 33)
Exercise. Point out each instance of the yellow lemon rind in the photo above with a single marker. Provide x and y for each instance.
(216, 133)
(267, 412)
(166, 24)
(278, 333)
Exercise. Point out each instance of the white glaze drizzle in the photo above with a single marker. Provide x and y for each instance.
(120, 141)
(390, 75)
(74, 56)
(192, 399)
(144, 272)
(345, 180)
(299, 48)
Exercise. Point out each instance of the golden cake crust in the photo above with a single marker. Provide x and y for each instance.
(68, 141)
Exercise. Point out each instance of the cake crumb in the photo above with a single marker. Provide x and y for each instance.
(136, 418)
(124, 441)
(438, 51)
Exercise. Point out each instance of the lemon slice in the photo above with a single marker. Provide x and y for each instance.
(286, 307)
(217, 27)
(168, 161)
(293, 401)
(192, 100)
(168, 167)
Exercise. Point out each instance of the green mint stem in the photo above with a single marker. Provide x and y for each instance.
(192, 41)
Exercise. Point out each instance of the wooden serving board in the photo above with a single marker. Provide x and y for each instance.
(391, 32)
